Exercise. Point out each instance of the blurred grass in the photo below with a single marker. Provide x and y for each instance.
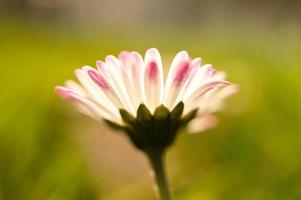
(254, 153)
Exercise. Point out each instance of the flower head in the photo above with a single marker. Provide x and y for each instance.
(129, 92)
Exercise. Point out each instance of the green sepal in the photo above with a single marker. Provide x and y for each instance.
(143, 113)
(161, 113)
(153, 131)
(113, 125)
(127, 118)
(188, 117)
(162, 126)
(177, 112)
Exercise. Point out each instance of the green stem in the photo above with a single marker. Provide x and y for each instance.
(156, 158)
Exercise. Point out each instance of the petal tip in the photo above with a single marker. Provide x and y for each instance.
(63, 92)
(152, 53)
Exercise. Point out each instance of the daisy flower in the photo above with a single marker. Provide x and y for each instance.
(128, 81)
(130, 93)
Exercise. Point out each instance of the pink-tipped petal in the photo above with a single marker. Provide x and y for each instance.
(193, 100)
(219, 76)
(180, 57)
(75, 86)
(85, 105)
(96, 93)
(202, 123)
(153, 79)
(100, 66)
(105, 86)
(129, 80)
(152, 72)
(99, 80)
(208, 86)
(203, 75)
(214, 100)
(132, 67)
(64, 92)
(123, 55)
(111, 71)
(181, 74)
(113, 60)
(180, 79)
(194, 66)
(177, 75)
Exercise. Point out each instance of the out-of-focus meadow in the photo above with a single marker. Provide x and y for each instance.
(49, 151)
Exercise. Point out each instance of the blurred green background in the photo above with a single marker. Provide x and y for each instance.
(49, 151)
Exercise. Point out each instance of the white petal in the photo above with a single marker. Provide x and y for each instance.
(85, 105)
(80, 107)
(200, 124)
(75, 86)
(112, 72)
(213, 100)
(173, 84)
(203, 75)
(193, 100)
(194, 66)
(153, 79)
(132, 67)
(95, 92)
(104, 86)
(219, 76)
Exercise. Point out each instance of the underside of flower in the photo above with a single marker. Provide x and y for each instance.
(153, 131)
(129, 92)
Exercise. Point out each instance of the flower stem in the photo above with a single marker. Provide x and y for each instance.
(156, 158)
